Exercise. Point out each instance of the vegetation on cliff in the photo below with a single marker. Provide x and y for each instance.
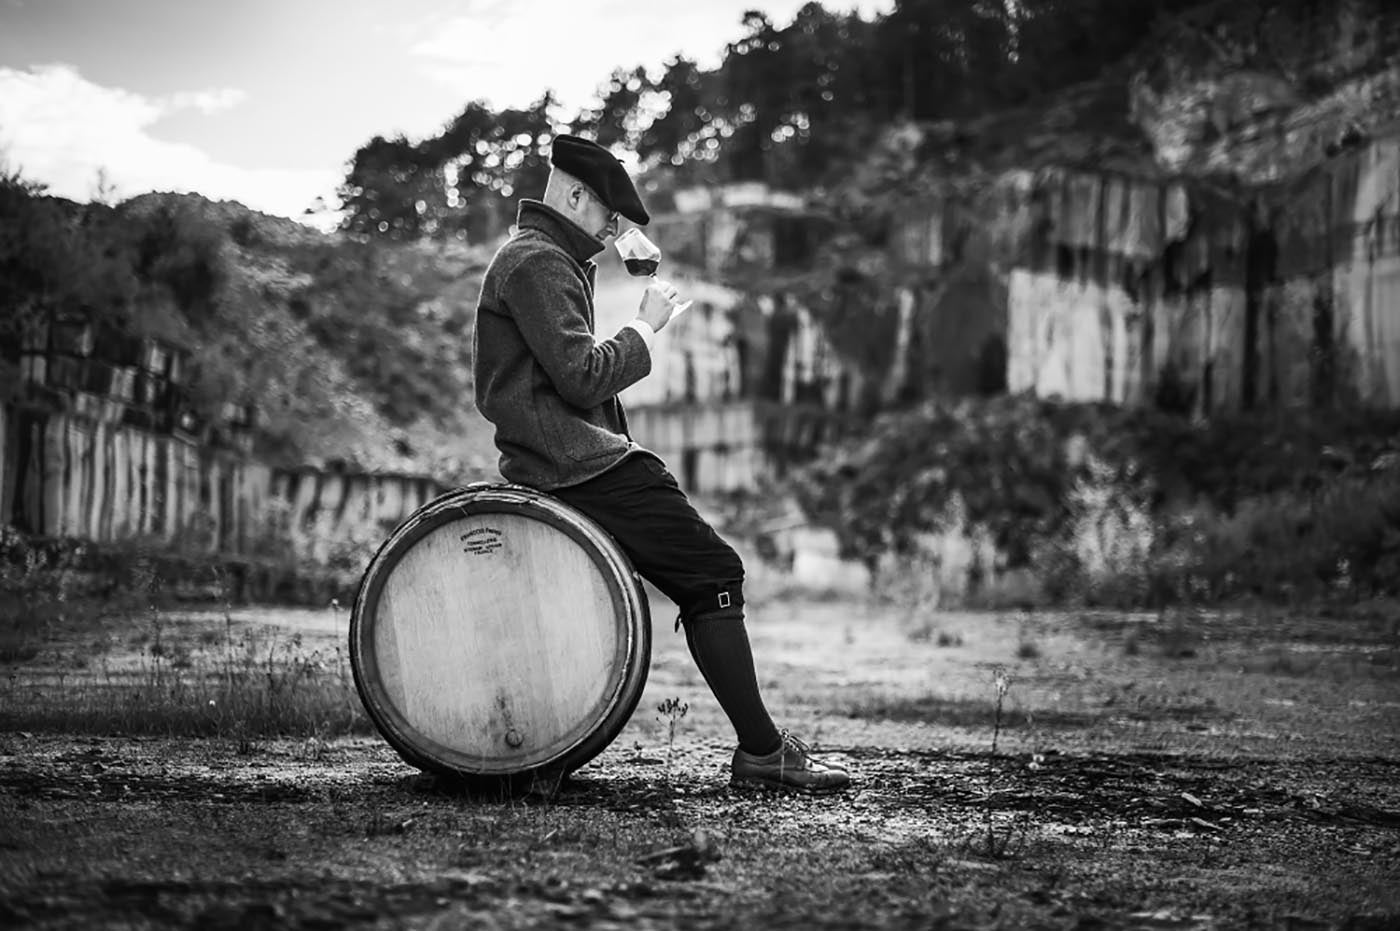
(347, 352)
(1127, 506)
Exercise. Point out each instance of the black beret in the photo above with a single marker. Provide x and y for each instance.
(598, 168)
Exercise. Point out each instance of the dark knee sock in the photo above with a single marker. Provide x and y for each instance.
(719, 644)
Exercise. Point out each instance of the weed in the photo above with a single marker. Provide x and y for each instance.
(314, 749)
(239, 684)
(1002, 683)
(672, 710)
(245, 684)
(998, 844)
(948, 639)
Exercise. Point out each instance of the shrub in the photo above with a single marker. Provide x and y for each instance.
(1126, 506)
(1340, 540)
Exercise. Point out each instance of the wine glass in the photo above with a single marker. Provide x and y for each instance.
(642, 257)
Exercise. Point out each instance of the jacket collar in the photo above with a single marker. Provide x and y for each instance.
(537, 215)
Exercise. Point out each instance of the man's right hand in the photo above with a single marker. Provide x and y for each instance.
(658, 304)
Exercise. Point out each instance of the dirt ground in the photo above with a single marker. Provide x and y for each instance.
(1191, 770)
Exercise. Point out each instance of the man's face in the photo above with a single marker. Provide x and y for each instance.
(599, 219)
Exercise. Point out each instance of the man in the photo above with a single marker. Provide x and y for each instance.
(550, 388)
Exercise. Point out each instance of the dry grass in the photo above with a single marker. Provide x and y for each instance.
(242, 685)
(70, 655)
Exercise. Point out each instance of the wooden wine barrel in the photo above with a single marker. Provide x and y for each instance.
(497, 633)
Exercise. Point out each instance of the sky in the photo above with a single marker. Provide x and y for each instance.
(266, 101)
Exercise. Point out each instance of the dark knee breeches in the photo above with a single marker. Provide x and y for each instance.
(641, 505)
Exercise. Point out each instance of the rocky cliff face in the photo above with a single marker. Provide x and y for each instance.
(1219, 230)
(1264, 93)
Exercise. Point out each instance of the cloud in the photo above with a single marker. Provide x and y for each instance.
(499, 54)
(60, 129)
(206, 102)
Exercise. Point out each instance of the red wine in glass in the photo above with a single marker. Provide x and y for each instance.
(642, 258)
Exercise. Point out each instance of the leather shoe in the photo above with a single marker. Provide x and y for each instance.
(791, 768)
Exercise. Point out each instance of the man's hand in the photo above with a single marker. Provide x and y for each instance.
(658, 304)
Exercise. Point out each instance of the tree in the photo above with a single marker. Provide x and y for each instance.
(796, 106)
(1062, 42)
(784, 105)
(460, 183)
(389, 189)
(683, 140)
(177, 251)
(57, 263)
(826, 115)
(618, 118)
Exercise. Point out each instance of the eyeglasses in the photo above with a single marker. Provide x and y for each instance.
(613, 215)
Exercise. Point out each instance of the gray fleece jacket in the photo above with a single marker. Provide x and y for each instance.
(549, 387)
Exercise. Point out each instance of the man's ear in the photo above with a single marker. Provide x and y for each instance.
(575, 195)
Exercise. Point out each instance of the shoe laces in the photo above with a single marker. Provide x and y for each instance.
(790, 741)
